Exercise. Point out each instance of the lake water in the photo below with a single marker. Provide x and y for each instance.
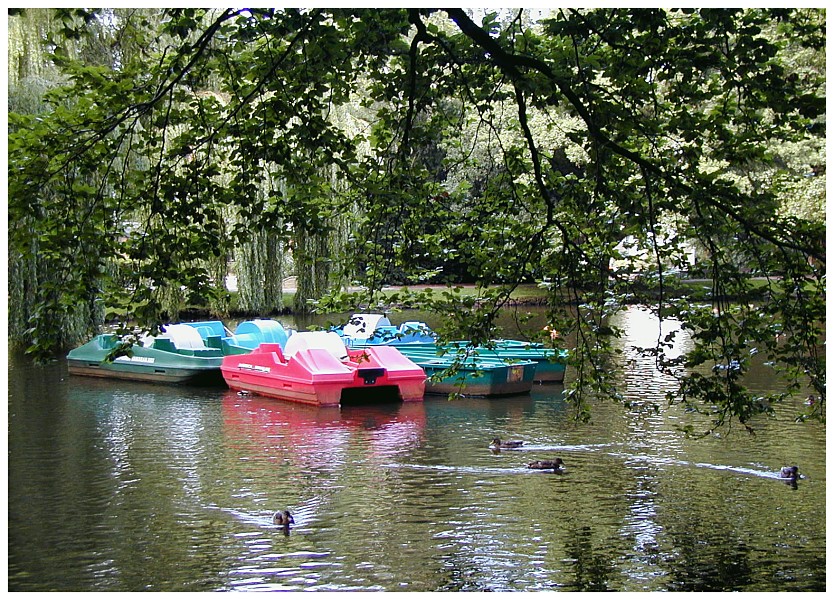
(117, 486)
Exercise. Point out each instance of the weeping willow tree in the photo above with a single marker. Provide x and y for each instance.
(210, 142)
(260, 268)
(321, 264)
(318, 263)
(172, 300)
(29, 80)
(37, 289)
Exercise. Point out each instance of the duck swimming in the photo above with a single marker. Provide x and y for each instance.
(283, 517)
(498, 444)
(557, 465)
(789, 473)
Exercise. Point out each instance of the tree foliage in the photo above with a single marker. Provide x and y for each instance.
(436, 147)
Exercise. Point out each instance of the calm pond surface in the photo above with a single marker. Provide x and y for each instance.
(116, 486)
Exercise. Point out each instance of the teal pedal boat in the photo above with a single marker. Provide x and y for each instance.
(184, 353)
(472, 376)
(550, 363)
(364, 330)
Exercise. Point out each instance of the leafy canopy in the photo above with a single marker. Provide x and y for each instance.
(574, 150)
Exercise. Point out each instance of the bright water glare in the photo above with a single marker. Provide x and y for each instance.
(116, 486)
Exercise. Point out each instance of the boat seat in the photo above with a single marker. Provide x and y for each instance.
(184, 337)
(385, 333)
(107, 341)
(250, 334)
(325, 340)
(208, 328)
(362, 327)
(416, 331)
(413, 327)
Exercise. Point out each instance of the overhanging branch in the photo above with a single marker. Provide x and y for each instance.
(514, 65)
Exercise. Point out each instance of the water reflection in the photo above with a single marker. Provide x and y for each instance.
(120, 486)
(318, 462)
(320, 435)
(592, 568)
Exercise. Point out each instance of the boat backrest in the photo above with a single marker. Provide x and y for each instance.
(270, 348)
(326, 340)
(184, 337)
(208, 329)
(384, 334)
(261, 331)
(415, 331)
(107, 341)
(414, 327)
(362, 326)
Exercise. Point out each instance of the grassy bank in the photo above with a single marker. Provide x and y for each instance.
(697, 290)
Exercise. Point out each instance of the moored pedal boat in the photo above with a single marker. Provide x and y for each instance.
(178, 355)
(363, 330)
(316, 368)
(182, 353)
(550, 363)
(376, 330)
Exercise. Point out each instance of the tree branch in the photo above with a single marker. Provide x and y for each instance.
(512, 65)
(421, 36)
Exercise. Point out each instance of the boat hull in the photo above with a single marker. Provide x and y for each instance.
(549, 366)
(314, 376)
(493, 384)
(167, 375)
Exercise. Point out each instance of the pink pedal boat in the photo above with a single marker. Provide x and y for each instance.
(316, 368)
